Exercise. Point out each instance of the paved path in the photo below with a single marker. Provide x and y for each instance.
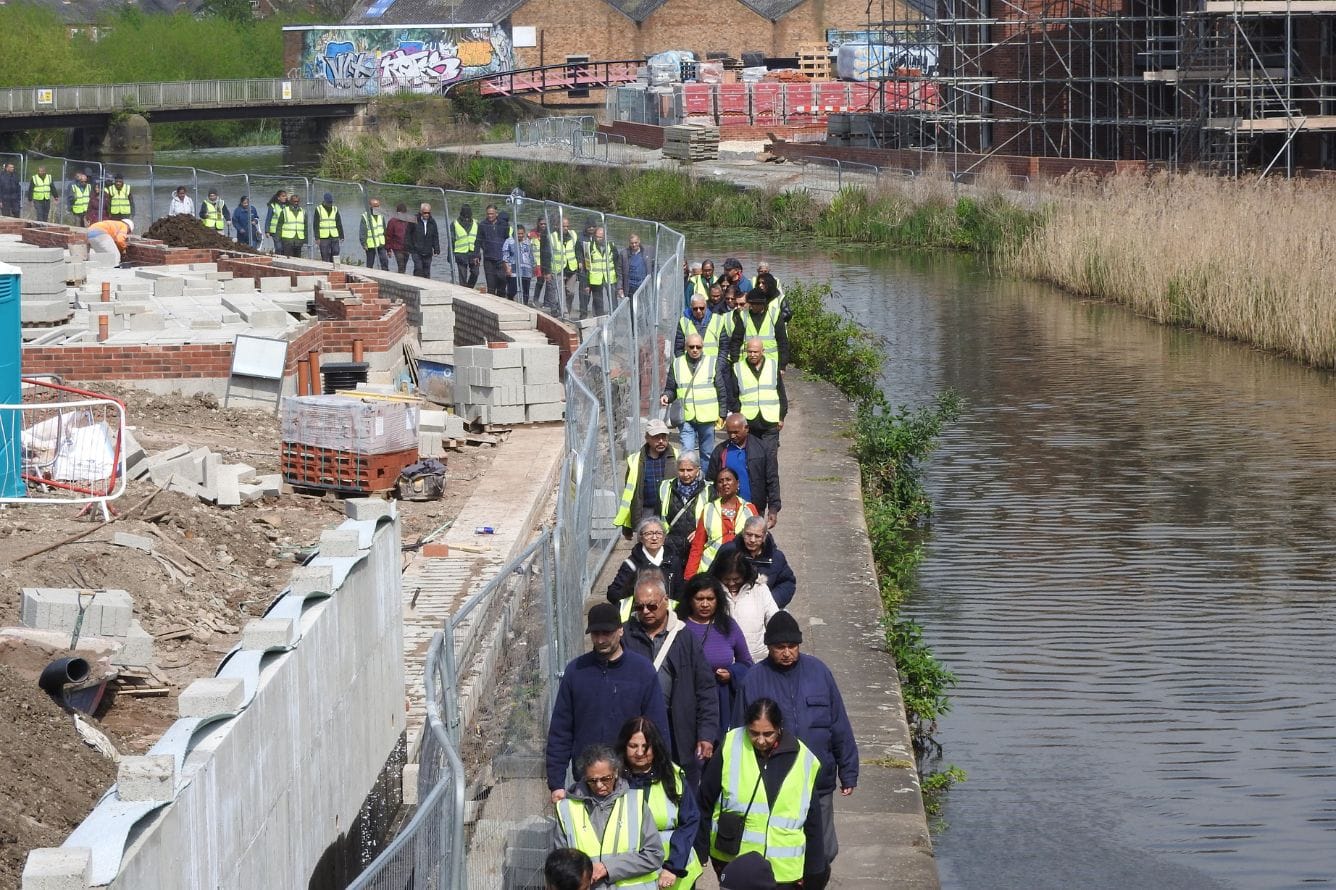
(510, 497)
(883, 834)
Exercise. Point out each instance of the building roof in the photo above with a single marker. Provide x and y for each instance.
(85, 12)
(429, 12)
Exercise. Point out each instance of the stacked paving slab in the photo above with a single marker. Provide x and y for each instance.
(516, 383)
(46, 271)
(437, 332)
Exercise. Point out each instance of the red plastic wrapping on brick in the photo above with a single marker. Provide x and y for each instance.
(733, 103)
(698, 98)
(766, 102)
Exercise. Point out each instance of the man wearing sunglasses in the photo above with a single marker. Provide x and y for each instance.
(695, 380)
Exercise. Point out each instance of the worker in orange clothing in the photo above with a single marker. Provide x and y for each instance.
(109, 236)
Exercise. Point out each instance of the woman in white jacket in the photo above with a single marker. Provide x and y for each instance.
(749, 599)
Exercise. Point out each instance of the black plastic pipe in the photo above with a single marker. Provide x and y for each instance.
(62, 671)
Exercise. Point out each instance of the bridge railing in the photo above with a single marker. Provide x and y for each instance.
(110, 97)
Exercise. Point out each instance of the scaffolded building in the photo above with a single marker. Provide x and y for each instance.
(1226, 85)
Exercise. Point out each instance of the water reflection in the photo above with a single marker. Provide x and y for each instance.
(1132, 573)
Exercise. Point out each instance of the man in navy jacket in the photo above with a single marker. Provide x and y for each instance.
(813, 708)
(600, 691)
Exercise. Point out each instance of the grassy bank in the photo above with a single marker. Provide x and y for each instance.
(913, 213)
(891, 445)
(1249, 261)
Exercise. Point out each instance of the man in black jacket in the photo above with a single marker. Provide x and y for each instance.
(11, 192)
(756, 465)
(686, 678)
(423, 241)
(492, 234)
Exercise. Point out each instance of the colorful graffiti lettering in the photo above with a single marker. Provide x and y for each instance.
(408, 59)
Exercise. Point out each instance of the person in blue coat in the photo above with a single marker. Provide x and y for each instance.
(599, 692)
(246, 223)
(806, 692)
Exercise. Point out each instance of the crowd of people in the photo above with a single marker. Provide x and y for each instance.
(696, 732)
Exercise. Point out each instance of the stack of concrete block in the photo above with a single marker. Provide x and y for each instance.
(45, 299)
(203, 474)
(437, 332)
(107, 615)
(517, 383)
(435, 428)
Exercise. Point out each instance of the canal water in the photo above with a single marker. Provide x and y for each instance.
(1132, 571)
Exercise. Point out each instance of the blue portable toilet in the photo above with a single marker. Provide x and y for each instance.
(11, 388)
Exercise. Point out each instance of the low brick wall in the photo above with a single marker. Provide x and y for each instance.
(644, 135)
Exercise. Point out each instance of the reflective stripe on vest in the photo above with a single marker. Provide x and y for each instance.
(465, 239)
(41, 187)
(624, 821)
(714, 528)
(776, 833)
(758, 393)
(213, 216)
(375, 230)
(765, 330)
(294, 224)
(326, 222)
(695, 390)
(698, 508)
(82, 197)
(563, 251)
(601, 267)
(665, 819)
(623, 517)
(120, 199)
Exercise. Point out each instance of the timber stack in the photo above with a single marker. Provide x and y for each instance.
(691, 143)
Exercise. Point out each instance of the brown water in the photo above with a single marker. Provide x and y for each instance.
(1132, 570)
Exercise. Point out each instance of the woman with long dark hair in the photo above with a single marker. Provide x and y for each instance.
(749, 599)
(649, 769)
(705, 610)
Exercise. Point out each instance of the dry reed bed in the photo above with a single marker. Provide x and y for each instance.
(1251, 261)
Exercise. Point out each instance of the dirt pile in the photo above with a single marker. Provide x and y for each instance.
(187, 231)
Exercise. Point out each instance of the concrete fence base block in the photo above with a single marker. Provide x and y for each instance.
(312, 579)
(57, 868)
(137, 650)
(151, 777)
(269, 633)
(368, 509)
(410, 784)
(339, 542)
(209, 696)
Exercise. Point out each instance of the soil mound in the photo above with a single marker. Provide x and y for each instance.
(187, 231)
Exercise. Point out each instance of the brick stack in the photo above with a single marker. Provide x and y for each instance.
(516, 383)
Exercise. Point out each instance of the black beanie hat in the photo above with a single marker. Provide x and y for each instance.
(782, 628)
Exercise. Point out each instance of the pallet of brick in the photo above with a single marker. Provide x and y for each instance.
(691, 143)
(814, 61)
(344, 472)
(347, 424)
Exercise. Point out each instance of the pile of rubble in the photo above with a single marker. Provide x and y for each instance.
(187, 231)
(201, 473)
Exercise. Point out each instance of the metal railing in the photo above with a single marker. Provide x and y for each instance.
(114, 97)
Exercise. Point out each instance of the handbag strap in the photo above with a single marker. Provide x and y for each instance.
(747, 812)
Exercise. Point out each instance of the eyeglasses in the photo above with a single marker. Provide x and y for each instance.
(600, 780)
(695, 347)
(650, 533)
(646, 607)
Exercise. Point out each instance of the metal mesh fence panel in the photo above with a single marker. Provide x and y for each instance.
(350, 199)
(139, 177)
(230, 188)
(265, 187)
(411, 198)
(163, 183)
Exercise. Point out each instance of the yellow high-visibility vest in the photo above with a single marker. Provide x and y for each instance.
(327, 221)
(375, 230)
(695, 389)
(624, 824)
(765, 330)
(774, 832)
(276, 212)
(41, 187)
(563, 251)
(465, 239)
(758, 393)
(213, 216)
(83, 195)
(714, 528)
(602, 269)
(294, 224)
(120, 199)
(623, 518)
(665, 819)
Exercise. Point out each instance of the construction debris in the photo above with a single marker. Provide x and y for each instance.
(202, 474)
(187, 231)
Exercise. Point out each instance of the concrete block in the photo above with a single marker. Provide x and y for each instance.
(368, 509)
(205, 324)
(339, 542)
(57, 868)
(107, 613)
(435, 296)
(454, 426)
(210, 466)
(45, 311)
(478, 395)
(208, 696)
(19, 253)
(410, 784)
(546, 412)
(171, 454)
(507, 377)
(430, 444)
(313, 579)
(203, 267)
(192, 465)
(271, 485)
(150, 777)
(432, 421)
(137, 650)
(227, 481)
(145, 321)
(136, 542)
(269, 318)
(269, 633)
(187, 486)
(121, 307)
(231, 318)
(202, 290)
(239, 286)
(275, 284)
(507, 414)
(169, 287)
(538, 373)
(544, 392)
(218, 276)
(475, 413)
(492, 359)
(161, 474)
(134, 452)
(250, 492)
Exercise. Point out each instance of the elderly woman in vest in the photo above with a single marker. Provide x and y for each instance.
(650, 769)
(610, 822)
(758, 794)
(653, 551)
(719, 522)
(682, 501)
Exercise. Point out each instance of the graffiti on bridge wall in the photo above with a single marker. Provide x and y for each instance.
(418, 59)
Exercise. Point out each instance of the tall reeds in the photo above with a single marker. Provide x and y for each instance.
(1252, 261)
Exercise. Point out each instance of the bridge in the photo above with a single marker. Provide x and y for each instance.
(23, 108)
(554, 78)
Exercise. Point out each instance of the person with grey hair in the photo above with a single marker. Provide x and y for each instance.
(772, 566)
(610, 822)
(682, 500)
(684, 675)
(653, 551)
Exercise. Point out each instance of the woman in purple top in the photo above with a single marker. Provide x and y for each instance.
(704, 608)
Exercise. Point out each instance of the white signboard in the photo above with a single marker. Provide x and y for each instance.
(524, 36)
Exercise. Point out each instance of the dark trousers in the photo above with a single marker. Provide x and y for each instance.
(278, 245)
(292, 248)
(329, 248)
(401, 260)
(374, 253)
(594, 296)
(468, 271)
(422, 265)
(41, 210)
(495, 270)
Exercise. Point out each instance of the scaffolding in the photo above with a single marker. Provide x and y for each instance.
(1224, 85)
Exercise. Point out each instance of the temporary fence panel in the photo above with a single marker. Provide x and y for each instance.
(350, 200)
(576, 291)
(164, 180)
(55, 168)
(411, 197)
(230, 188)
(139, 177)
(96, 196)
(454, 202)
(20, 162)
(265, 187)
